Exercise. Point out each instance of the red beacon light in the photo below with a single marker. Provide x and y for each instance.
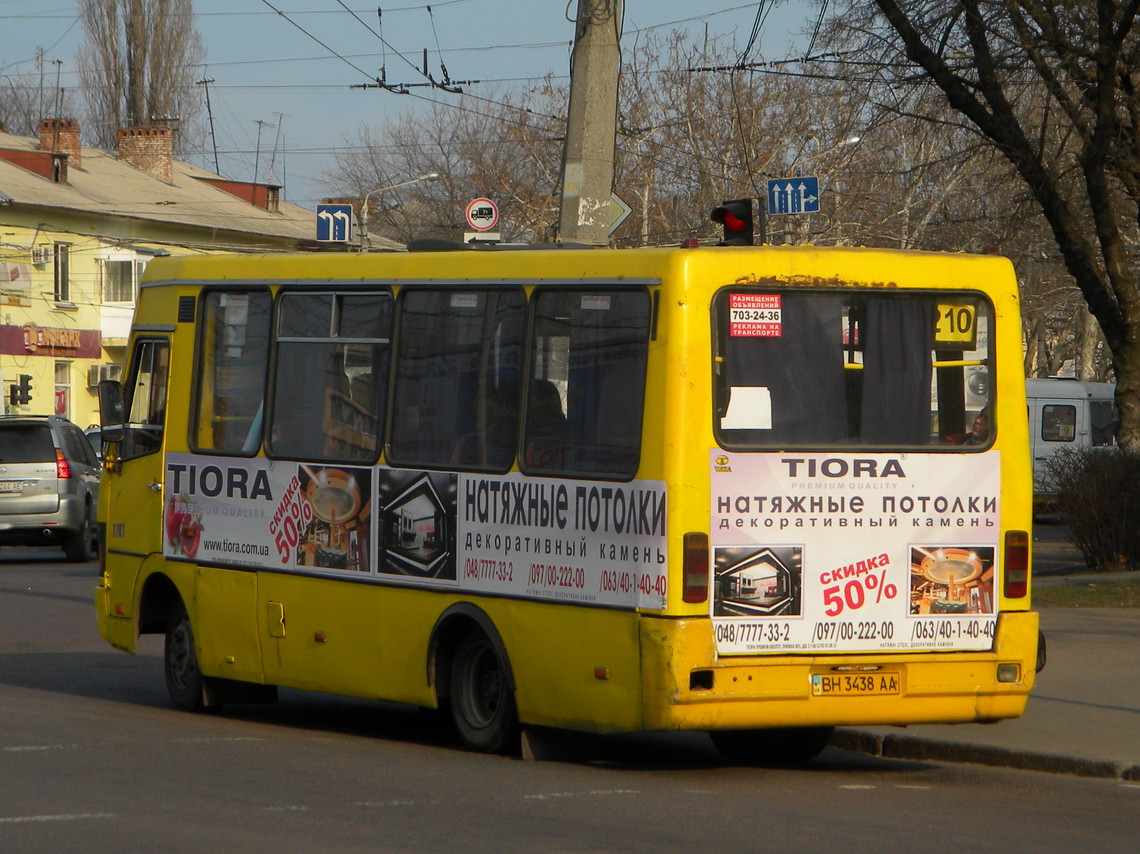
(736, 218)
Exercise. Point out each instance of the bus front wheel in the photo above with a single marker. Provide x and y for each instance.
(180, 661)
(482, 703)
(787, 746)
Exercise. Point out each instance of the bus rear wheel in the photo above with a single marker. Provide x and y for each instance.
(184, 681)
(482, 703)
(787, 746)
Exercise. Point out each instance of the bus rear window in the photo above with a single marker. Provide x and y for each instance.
(828, 368)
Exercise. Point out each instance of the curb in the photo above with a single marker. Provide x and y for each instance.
(915, 747)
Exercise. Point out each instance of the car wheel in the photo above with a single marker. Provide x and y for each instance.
(482, 703)
(180, 661)
(79, 546)
(788, 746)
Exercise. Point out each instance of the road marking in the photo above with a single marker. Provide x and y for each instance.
(591, 793)
(30, 747)
(384, 804)
(28, 819)
(857, 786)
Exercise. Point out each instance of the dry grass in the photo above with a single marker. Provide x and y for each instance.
(1097, 594)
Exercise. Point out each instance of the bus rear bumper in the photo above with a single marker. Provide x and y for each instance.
(699, 690)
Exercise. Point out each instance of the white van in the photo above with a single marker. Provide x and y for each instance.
(1067, 413)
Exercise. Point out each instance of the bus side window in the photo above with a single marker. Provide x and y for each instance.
(585, 402)
(230, 394)
(146, 416)
(1103, 420)
(456, 379)
(330, 376)
(1058, 422)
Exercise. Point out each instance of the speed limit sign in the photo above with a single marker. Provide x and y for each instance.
(482, 214)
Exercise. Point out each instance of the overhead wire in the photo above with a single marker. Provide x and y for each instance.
(761, 13)
(332, 51)
(757, 24)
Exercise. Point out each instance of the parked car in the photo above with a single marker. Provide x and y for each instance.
(49, 485)
(94, 435)
(1067, 414)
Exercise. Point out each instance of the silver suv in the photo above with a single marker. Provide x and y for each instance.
(49, 485)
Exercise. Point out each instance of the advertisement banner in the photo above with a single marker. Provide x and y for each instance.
(272, 514)
(578, 541)
(572, 541)
(841, 552)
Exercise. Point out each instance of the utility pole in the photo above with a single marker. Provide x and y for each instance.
(257, 157)
(205, 84)
(591, 124)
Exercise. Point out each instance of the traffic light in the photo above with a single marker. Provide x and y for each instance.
(736, 217)
(21, 393)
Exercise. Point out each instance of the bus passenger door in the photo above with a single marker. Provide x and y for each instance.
(131, 495)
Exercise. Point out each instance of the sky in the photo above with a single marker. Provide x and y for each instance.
(283, 71)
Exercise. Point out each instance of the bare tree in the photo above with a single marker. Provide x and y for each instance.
(138, 66)
(482, 147)
(1052, 86)
(25, 99)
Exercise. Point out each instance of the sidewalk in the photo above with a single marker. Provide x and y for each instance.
(1083, 716)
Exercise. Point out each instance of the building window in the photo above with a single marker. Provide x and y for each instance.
(62, 387)
(63, 272)
(119, 280)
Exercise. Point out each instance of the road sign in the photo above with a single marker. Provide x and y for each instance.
(619, 210)
(793, 195)
(482, 214)
(334, 223)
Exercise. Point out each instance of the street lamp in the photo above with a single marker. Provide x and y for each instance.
(851, 140)
(430, 176)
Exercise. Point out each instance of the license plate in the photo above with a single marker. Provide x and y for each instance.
(877, 684)
(11, 486)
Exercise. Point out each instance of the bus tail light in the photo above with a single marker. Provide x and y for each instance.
(62, 466)
(696, 567)
(1016, 564)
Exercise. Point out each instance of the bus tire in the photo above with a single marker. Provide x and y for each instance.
(481, 701)
(184, 682)
(785, 746)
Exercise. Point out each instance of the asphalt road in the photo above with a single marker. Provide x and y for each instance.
(92, 759)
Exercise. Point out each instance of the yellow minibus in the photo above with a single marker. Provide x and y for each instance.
(756, 491)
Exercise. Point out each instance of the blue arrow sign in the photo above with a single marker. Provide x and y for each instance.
(334, 223)
(793, 195)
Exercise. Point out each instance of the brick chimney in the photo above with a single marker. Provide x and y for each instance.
(150, 149)
(62, 137)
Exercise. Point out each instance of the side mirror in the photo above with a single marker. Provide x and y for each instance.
(111, 416)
